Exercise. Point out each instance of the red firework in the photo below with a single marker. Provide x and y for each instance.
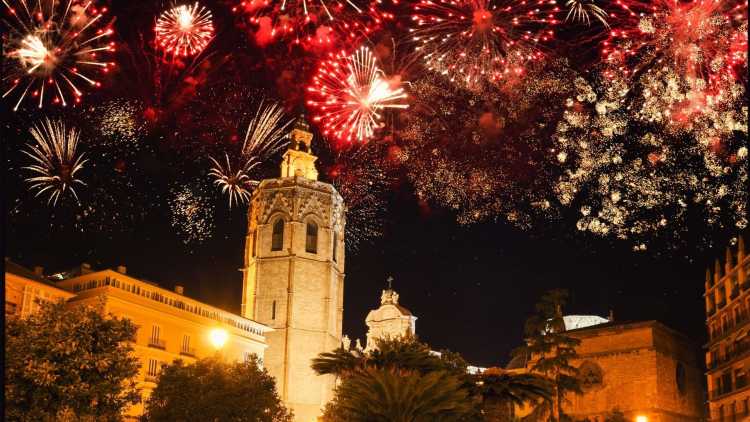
(349, 94)
(312, 22)
(54, 49)
(184, 30)
(472, 41)
(702, 39)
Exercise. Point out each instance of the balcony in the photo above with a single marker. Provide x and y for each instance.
(157, 343)
(188, 351)
(150, 378)
(738, 350)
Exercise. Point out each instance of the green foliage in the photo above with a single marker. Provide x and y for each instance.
(69, 363)
(550, 349)
(393, 395)
(516, 389)
(214, 390)
(399, 379)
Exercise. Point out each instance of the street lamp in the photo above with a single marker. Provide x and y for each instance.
(641, 418)
(219, 337)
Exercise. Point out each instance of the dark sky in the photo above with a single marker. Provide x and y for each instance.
(471, 287)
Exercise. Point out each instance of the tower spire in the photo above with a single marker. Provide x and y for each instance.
(298, 160)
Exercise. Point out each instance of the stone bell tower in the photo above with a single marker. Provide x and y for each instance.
(294, 274)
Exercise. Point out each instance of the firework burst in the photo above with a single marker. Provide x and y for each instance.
(184, 30)
(315, 23)
(581, 11)
(54, 49)
(192, 213)
(473, 41)
(695, 51)
(265, 136)
(55, 161)
(639, 182)
(350, 93)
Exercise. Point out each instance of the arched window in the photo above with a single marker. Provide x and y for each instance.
(311, 245)
(277, 238)
(335, 245)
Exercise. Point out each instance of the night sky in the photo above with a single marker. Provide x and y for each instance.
(471, 286)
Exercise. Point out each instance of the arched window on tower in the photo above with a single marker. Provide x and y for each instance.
(311, 244)
(277, 238)
(335, 245)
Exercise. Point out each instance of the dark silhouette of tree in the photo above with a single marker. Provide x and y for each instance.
(549, 349)
(213, 390)
(69, 363)
(502, 390)
(393, 395)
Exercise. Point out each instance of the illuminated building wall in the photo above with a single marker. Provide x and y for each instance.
(728, 350)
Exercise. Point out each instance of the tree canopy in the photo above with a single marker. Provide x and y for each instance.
(69, 362)
(213, 390)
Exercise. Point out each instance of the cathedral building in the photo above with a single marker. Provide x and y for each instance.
(390, 320)
(294, 274)
(645, 370)
(727, 296)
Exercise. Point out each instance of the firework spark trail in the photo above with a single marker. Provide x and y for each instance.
(477, 41)
(54, 49)
(315, 22)
(349, 94)
(55, 160)
(581, 11)
(705, 41)
(265, 136)
(638, 183)
(184, 30)
(192, 213)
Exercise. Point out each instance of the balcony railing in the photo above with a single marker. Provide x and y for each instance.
(157, 343)
(150, 378)
(738, 350)
(188, 351)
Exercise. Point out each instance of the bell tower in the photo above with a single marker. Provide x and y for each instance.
(294, 274)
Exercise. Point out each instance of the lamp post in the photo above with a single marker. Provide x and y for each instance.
(218, 338)
(641, 418)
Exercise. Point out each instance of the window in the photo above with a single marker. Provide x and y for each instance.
(255, 236)
(680, 378)
(155, 331)
(10, 308)
(153, 368)
(335, 245)
(273, 310)
(277, 238)
(311, 245)
(186, 343)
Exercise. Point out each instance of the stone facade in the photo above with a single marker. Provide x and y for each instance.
(640, 369)
(728, 350)
(390, 320)
(294, 275)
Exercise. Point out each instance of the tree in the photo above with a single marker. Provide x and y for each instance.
(393, 395)
(395, 380)
(550, 349)
(213, 390)
(69, 362)
(502, 390)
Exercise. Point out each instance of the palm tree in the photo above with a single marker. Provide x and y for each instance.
(393, 395)
(340, 362)
(501, 391)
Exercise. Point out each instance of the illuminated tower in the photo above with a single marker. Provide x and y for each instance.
(294, 274)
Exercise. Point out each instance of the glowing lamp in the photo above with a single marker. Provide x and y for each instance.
(219, 337)
(641, 418)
